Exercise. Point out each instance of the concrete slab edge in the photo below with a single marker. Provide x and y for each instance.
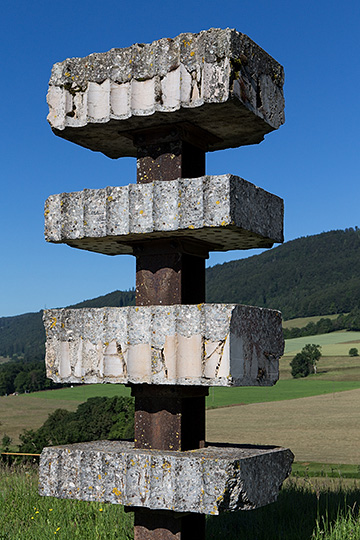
(207, 481)
(205, 344)
(224, 211)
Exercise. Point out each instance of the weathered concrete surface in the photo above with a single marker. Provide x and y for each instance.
(224, 211)
(219, 80)
(205, 481)
(205, 344)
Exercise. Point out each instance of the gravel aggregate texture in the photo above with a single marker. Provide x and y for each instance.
(205, 344)
(225, 212)
(206, 481)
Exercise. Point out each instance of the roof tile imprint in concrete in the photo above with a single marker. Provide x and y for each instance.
(205, 344)
(220, 81)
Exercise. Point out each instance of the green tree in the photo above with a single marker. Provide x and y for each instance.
(305, 361)
(353, 351)
(5, 443)
(97, 418)
(6, 383)
(313, 354)
(21, 382)
(299, 366)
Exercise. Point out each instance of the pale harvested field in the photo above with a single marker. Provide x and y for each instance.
(24, 411)
(323, 428)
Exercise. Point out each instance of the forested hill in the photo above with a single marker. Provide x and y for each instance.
(314, 275)
(24, 335)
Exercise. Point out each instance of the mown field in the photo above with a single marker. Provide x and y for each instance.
(323, 429)
(31, 410)
(300, 322)
(317, 417)
(333, 344)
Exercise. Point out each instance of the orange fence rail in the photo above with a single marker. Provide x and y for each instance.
(17, 454)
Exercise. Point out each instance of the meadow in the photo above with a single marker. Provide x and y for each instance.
(305, 510)
(29, 411)
(336, 374)
(300, 322)
(317, 417)
(323, 429)
(332, 344)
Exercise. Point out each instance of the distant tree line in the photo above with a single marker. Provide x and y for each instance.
(22, 335)
(98, 418)
(19, 376)
(325, 325)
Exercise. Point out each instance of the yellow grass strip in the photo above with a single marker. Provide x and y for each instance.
(300, 322)
(324, 429)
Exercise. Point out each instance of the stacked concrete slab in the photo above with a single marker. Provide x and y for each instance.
(205, 344)
(167, 103)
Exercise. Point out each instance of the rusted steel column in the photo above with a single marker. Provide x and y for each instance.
(169, 417)
(168, 526)
(169, 272)
(168, 153)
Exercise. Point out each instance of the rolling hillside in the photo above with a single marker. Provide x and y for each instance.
(314, 275)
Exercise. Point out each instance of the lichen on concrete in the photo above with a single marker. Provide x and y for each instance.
(205, 344)
(225, 212)
(207, 481)
(219, 80)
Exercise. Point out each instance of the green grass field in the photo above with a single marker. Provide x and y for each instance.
(333, 344)
(84, 392)
(300, 322)
(283, 390)
(303, 469)
(218, 396)
(335, 374)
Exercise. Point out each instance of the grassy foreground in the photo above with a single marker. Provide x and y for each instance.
(307, 511)
(24, 515)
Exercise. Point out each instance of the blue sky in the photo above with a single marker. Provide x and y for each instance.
(312, 161)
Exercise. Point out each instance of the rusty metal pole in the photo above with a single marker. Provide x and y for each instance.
(169, 272)
(167, 103)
